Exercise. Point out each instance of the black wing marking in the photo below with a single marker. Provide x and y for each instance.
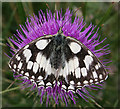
(27, 61)
(84, 68)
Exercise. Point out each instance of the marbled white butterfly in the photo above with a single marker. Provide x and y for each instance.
(52, 58)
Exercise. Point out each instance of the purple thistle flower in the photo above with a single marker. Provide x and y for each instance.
(36, 27)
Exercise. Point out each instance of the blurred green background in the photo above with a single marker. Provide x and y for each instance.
(104, 15)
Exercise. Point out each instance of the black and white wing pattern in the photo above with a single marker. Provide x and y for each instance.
(82, 67)
(58, 58)
(32, 61)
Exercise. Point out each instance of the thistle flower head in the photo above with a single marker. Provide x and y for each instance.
(36, 27)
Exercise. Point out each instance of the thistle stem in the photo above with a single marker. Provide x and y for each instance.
(8, 90)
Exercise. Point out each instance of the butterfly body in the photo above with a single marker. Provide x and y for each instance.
(59, 58)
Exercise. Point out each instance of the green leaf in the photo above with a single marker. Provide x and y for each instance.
(9, 23)
(116, 103)
(21, 12)
(105, 17)
(84, 7)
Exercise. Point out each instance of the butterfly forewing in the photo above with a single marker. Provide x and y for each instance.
(32, 60)
(84, 67)
(58, 58)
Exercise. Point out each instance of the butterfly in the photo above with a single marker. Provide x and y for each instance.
(58, 58)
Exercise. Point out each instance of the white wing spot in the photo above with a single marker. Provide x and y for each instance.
(27, 74)
(71, 66)
(71, 87)
(58, 83)
(101, 80)
(61, 72)
(41, 83)
(72, 82)
(77, 73)
(54, 82)
(96, 66)
(76, 62)
(43, 62)
(106, 77)
(78, 83)
(90, 53)
(100, 76)
(38, 58)
(104, 73)
(64, 87)
(91, 81)
(13, 70)
(40, 77)
(27, 53)
(88, 60)
(48, 84)
(18, 58)
(9, 65)
(20, 65)
(26, 46)
(11, 62)
(18, 70)
(22, 71)
(96, 82)
(96, 79)
(75, 47)
(14, 66)
(85, 82)
(94, 74)
(65, 71)
(99, 65)
(33, 77)
(41, 44)
(55, 72)
(29, 65)
(25, 77)
(32, 80)
(48, 67)
(35, 67)
(84, 72)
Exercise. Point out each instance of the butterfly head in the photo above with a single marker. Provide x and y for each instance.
(60, 30)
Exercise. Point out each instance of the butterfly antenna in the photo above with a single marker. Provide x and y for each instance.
(47, 6)
(60, 30)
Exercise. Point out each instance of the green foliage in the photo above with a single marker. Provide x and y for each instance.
(104, 15)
